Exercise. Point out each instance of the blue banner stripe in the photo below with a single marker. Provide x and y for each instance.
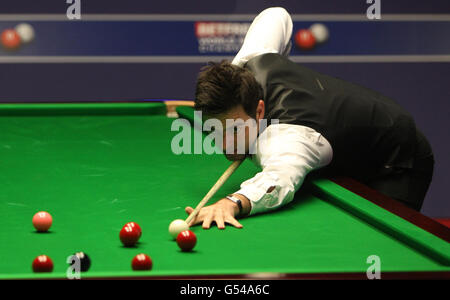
(177, 38)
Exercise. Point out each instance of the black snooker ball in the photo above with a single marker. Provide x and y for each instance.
(85, 261)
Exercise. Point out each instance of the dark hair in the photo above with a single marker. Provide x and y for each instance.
(223, 86)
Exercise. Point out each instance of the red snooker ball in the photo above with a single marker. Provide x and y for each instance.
(135, 225)
(42, 221)
(129, 235)
(42, 263)
(305, 39)
(186, 240)
(141, 262)
(10, 39)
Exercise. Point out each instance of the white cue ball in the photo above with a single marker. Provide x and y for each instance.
(177, 226)
(25, 32)
(320, 32)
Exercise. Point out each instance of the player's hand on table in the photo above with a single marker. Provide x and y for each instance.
(223, 211)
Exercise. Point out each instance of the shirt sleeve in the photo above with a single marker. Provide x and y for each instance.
(270, 32)
(286, 154)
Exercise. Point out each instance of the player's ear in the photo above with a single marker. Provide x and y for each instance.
(260, 109)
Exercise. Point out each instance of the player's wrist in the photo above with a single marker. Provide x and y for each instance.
(233, 206)
(246, 205)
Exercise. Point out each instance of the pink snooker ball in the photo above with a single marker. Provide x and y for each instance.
(42, 221)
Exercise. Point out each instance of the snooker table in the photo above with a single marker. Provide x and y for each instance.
(97, 166)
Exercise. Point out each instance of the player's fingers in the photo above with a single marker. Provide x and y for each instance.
(194, 221)
(208, 219)
(219, 219)
(189, 210)
(234, 222)
(198, 218)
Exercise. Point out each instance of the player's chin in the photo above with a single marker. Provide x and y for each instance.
(234, 157)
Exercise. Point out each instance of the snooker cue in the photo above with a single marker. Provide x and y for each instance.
(214, 189)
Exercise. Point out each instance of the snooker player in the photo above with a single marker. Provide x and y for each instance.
(324, 123)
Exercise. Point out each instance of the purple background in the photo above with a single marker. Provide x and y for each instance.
(225, 7)
(422, 88)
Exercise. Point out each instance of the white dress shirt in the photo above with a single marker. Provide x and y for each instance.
(286, 153)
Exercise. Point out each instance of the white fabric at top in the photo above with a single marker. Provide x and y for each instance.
(270, 32)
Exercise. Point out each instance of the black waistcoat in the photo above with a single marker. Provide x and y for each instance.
(370, 134)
